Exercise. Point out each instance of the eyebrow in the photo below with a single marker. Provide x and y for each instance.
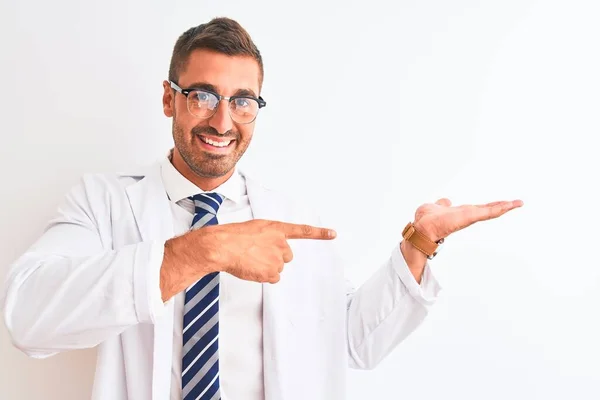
(212, 88)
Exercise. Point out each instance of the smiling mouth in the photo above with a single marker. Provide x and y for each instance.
(217, 143)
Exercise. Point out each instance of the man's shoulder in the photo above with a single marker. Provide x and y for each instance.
(117, 180)
(294, 202)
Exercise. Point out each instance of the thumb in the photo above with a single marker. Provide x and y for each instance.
(444, 202)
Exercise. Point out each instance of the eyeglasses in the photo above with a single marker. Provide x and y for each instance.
(203, 104)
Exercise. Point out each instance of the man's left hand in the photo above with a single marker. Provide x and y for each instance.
(440, 219)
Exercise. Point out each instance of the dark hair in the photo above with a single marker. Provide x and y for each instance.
(222, 35)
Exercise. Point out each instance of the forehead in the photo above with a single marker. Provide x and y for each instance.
(227, 73)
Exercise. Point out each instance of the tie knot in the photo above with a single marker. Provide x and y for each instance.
(206, 205)
(207, 202)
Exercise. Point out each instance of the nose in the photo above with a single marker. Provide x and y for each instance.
(221, 120)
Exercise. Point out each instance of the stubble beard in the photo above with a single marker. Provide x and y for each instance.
(204, 164)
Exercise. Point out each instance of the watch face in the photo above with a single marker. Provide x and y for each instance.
(437, 250)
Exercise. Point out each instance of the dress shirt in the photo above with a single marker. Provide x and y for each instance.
(240, 301)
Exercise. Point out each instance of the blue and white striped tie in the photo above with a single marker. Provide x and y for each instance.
(200, 367)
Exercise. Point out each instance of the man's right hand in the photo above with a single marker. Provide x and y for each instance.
(255, 250)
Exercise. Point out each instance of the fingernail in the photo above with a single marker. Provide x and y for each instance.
(332, 233)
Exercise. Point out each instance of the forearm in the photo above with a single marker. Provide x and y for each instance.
(386, 309)
(55, 302)
(187, 259)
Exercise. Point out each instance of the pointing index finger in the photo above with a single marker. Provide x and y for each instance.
(301, 231)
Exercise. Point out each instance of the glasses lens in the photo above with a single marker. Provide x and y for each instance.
(202, 104)
(243, 110)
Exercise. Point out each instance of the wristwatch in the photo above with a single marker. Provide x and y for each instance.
(421, 241)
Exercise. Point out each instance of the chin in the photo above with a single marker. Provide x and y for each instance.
(208, 171)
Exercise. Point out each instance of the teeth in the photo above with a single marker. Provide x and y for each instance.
(214, 143)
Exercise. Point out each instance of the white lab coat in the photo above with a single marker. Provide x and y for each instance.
(86, 282)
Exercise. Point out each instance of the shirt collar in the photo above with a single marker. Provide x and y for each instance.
(179, 187)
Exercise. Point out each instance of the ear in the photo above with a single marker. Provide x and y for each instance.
(168, 99)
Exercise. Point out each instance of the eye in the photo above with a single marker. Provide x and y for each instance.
(202, 97)
(242, 103)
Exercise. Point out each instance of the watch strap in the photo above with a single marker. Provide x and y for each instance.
(420, 241)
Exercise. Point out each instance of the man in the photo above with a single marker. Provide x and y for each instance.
(176, 272)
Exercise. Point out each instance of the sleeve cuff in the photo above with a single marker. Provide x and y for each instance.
(148, 298)
(428, 291)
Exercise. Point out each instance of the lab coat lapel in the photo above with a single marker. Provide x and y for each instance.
(263, 207)
(152, 212)
(150, 206)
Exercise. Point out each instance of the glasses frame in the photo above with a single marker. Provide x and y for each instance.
(261, 102)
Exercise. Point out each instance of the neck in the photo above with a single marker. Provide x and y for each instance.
(204, 183)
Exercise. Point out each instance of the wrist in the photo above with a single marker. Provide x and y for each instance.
(186, 259)
(415, 259)
(421, 239)
(206, 246)
(426, 231)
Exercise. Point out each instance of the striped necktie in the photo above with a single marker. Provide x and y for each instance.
(200, 366)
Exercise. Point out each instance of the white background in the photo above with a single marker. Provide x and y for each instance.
(403, 102)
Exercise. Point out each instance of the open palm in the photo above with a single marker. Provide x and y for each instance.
(440, 219)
